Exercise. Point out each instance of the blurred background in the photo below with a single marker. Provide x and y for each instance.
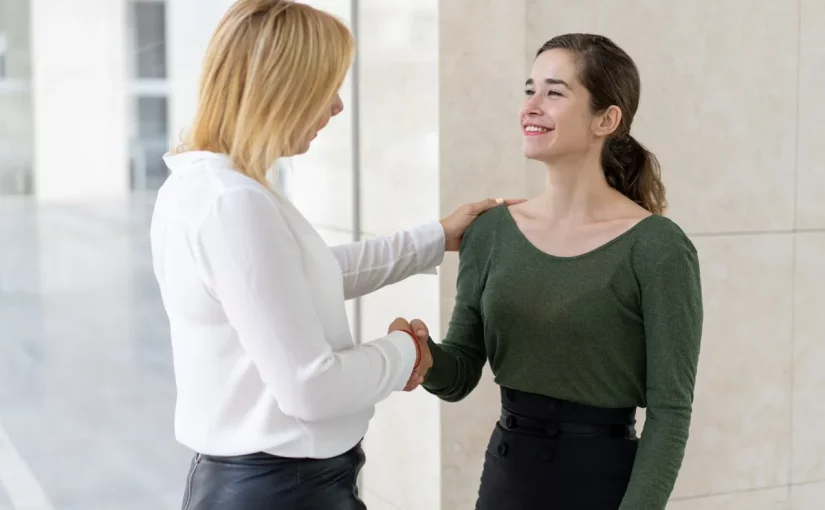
(93, 92)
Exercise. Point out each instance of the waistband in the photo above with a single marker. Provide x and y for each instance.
(542, 415)
(263, 458)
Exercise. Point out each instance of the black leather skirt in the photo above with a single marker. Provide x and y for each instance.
(265, 482)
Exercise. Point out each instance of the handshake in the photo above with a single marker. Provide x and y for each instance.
(419, 331)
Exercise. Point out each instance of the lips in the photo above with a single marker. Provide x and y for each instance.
(535, 130)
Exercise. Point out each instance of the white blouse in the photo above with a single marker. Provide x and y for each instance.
(263, 355)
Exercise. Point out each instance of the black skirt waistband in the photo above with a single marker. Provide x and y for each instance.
(543, 415)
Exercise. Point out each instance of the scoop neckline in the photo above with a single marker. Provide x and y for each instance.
(523, 238)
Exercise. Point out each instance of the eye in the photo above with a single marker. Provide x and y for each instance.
(554, 93)
(529, 92)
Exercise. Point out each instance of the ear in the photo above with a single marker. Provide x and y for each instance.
(608, 121)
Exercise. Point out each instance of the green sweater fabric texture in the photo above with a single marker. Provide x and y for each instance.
(619, 326)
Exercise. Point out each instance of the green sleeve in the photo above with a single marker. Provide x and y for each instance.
(671, 303)
(459, 359)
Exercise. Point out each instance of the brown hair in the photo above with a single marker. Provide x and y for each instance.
(611, 77)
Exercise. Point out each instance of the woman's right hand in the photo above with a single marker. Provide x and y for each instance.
(419, 333)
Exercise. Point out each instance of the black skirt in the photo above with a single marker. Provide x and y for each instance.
(550, 454)
(265, 482)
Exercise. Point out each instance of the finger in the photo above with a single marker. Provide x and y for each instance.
(420, 329)
(479, 207)
(412, 384)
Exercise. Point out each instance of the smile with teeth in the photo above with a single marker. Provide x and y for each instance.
(535, 129)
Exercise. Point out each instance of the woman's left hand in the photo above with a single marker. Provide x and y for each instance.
(456, 223)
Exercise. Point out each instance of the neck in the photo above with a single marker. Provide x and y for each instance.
(575, 191)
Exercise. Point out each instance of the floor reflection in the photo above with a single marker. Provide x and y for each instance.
(86, 386)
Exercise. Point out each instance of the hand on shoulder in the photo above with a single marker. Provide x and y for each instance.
(456, 224)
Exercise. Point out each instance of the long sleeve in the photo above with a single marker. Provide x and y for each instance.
(255, 268)
(459, 360)
(371, 264)
(671, 303)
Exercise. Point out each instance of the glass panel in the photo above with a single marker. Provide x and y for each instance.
(152, 117)
(16, 112)
(150, 40)
(3, 50)
(150, 143)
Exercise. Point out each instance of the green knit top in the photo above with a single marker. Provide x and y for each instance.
(619, 326)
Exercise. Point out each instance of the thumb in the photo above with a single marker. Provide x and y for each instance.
(420, 329)
(399, 324)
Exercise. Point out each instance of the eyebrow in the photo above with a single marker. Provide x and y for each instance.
(549, 81)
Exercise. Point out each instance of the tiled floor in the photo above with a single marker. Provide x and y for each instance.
(5, 502)
(86, 387)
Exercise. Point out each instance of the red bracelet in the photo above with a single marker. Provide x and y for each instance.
(417, 347)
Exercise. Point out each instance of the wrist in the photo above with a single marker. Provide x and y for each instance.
(417, 347)
(431, 347)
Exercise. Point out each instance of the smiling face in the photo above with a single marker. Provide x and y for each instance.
(557, 120)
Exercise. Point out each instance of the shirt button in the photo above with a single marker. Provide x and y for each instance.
(552, 429)
(502, 448)
(510, 422)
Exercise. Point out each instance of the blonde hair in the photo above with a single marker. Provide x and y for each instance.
(270, 74)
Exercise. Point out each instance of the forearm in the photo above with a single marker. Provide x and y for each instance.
(672, 312)
(658, 460)
(455, 373)
(346, 382)
(374, 263)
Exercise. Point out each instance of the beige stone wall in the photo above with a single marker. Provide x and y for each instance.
(398, 140)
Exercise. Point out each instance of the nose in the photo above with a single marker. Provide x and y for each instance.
(532, 105)
(337, 105)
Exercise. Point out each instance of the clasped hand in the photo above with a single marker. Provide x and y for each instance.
(419, 330)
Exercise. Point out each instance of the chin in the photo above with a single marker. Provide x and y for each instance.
(537, 155)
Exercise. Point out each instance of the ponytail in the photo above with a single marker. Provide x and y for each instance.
(634, 171)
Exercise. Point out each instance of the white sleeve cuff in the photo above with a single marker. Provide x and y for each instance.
(398, 346)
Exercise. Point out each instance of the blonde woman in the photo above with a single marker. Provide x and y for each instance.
(274, 394)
